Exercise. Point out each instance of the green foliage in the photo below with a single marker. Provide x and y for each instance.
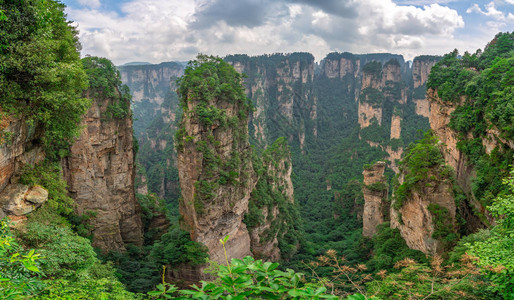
(269, 194)
(49, 175)
(430, 281)
(175, 248)
(251, 279)
(372, 96)
(135, 268)
(496, 253)
(421, 160)
(449, 77)
(66, 266)
(41, 76)
(443, 228)
(377, 186)
(373, 68)
(151, 206)
(389, 248)
(209, 78)
(104, 81)
(487, 87)
(60, 262)
(17, 268)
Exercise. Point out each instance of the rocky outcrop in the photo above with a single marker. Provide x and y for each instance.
(421, 67)
(150, 82)
(422, 107)
(273, 183)
(396, 128)
(430, 204)
(227, 190)
(215, 171)
(375, 192)
(440, 116)
(20, 145)
(19, 199)
(100, 176)
(279, 85)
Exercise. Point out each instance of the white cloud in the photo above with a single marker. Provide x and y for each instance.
(164, 30)
(90, 3)
(490, 11)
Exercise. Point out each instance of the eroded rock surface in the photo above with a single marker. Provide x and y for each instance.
(375, 198)
(100, 177)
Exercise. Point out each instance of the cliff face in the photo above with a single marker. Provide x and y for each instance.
(375, 192)
(156, 113)
(215, 168)
(19, 145)
(270, 217)
(150, 82)
(416, 220)
(279, 85)
(440, 117)
(227, 188)
(423, 206)
(100, 176)
(421, 67)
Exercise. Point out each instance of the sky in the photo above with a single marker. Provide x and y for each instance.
(177, 30)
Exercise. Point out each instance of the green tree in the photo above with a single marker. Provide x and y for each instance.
(41, 77)
(496, 254)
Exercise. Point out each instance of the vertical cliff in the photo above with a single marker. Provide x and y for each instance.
(272, 219)
(20, 146)
(447, 181)
(421, 67)
(423, 207)
(156, 113)
(376, 206)
(214, 157)
(100, 167)
(282, 91)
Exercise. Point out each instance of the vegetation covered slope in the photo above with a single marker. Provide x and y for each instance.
(41, 75)
(482, 86)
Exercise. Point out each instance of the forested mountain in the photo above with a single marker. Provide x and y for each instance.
(374, 177)
(337, 116)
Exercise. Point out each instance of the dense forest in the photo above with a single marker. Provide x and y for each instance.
(290, 155)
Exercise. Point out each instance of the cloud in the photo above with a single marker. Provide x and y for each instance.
(342, 8)
(164, 30)
(491, 11)
(250, 13)
(90, 3)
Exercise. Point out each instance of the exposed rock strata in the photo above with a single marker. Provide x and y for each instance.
(414, 220)
(212, 209)
(100, 177)
(276, 175)
(375, 192)
(19, 199)
(19, 145)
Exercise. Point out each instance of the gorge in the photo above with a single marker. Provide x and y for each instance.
(360, 174)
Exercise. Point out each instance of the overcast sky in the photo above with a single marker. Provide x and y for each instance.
(176, 30)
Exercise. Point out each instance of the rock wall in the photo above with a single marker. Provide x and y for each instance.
(416, 222)
(150, 82)
(100, 176)
(274, 181)
(213, 206)
(19, 145)
(156, 113)
(375, 192)
(280, 86)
